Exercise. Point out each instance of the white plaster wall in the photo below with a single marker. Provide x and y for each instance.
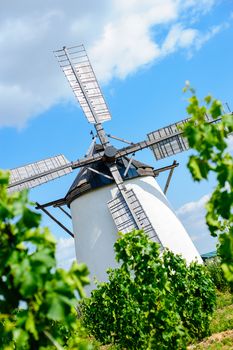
(95, 231)
(168, 227)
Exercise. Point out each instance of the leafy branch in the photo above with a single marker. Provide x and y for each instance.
(210, 142)
(37, 299)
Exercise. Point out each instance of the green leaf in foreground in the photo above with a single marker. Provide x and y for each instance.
(212, 156)
(37, 300)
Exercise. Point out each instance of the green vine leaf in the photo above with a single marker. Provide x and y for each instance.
(210, 143)
(34, 293)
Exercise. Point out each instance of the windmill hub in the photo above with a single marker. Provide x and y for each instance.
(110, 154)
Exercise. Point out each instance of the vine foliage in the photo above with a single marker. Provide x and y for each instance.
(151, 301)
(37, 299)
(212, 156)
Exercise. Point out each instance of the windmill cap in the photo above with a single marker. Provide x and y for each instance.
(91, 178)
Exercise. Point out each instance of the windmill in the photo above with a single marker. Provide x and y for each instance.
(113, 191)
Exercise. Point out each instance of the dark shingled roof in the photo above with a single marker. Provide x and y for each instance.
(87, 180)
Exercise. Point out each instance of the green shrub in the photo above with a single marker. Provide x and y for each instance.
(215, 271)
(194, 292)
(151, 301)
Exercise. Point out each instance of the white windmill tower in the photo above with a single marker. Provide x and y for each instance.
(111, 192)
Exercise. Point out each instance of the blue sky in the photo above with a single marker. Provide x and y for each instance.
(142, 52)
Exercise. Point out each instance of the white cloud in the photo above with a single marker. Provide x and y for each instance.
(202, 38)
(192, 39)
(193, 207)
(120, 61)
(192, 215)
(178, 37)
(121, 37)
(65, 252)
(230, 143)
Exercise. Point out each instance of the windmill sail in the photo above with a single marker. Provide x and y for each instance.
(172, 139)
(123, 217)
(37, 173)
(79, 72)
(172, 145)
(164, 142)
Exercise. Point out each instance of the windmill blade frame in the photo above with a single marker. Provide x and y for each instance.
(163, 142)
(131, 213)
(123, 218)
(171, 139)
(37, 173)
(40, 172)
(79, 72)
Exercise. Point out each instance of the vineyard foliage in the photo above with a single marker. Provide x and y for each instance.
(213, 156)
(152, 300)
(215, 271)
(36, 297)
